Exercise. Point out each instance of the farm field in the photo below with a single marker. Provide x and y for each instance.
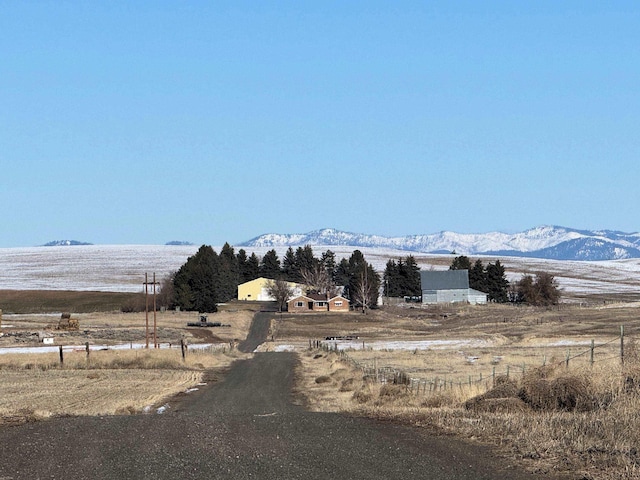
(451, 357)
(519, 378)
(121, 268)
(118, 375)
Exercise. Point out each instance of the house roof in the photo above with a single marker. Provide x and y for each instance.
(317, 297)
(299, 297)
(444, 279)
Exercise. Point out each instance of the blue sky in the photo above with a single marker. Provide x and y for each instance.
(145, 122)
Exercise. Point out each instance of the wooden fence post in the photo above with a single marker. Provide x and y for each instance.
(86, 346)
(61, 356)
(183, 350)
(622, 344)
(592, 351)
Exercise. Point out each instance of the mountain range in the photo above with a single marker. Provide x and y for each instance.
(550, 242)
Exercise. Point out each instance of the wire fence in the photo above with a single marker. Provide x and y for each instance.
(385, 374)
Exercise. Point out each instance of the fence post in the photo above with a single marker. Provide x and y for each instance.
(86, 346)
(61, 356)
(568, 355)
(375, 368)
(592, 350)
(183, 350)
(622, 344)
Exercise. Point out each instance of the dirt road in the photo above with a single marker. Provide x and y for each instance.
(243, 427)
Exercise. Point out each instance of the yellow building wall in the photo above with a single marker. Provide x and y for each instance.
(256, 290)
(253, 290)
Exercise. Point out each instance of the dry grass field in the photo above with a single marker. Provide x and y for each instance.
(582, 420)
(495, 374)
(118, 376)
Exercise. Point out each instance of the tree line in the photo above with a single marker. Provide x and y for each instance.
(402, 279)
(208, 278)
(540, 290)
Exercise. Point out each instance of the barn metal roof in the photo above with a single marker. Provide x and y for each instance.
(444, 280)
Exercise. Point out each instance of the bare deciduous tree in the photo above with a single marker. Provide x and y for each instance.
(318, 280)
(362, 292)
(281, 291)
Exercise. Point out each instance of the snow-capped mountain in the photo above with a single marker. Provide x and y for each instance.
(551, 242)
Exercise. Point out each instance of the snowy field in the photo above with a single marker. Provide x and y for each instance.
(121, 268)
(407, 345)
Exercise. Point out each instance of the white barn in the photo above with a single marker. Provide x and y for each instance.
(449, 286)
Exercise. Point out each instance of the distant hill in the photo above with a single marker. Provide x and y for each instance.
(65, 243)
(551, 242)
(179, 243)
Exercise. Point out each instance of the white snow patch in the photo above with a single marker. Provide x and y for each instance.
(567, 343)
(285, 348)
(82, 348)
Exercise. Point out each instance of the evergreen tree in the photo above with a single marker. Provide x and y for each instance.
(253, 268)
(228, 274)
(341, 277)
(328, 261)
(242, 262)
(304, 261)
(402, 279)
(478, 277)
(390, 277)
(270, 266)
(195, 282)
(497, 283)
(414, 284)
(289, 268)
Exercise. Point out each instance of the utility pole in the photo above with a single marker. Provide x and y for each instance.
(155, 336)
(146, 309)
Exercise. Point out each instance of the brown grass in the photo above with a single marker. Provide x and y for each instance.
(583, 420)
(110, 382)
(115, 327)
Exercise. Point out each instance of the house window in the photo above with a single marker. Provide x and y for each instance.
(321, 304)
(299, 304)
(338, 303)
